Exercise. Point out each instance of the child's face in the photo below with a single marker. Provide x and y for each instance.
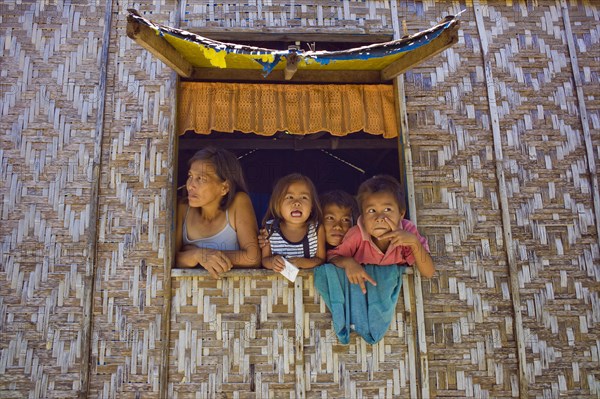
(203, 185)
(337, 221)
(297, 203)
(380, 212)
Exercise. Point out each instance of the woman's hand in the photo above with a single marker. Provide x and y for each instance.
(214, 261)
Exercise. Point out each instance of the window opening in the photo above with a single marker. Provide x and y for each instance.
(264, 160)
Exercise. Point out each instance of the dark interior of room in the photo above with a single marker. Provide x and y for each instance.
(331, 163)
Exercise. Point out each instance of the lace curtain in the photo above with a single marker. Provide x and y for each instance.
(265, 109)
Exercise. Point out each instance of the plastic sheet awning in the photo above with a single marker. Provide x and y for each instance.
(197, 57)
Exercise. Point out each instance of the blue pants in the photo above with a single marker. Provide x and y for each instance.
(368, 314)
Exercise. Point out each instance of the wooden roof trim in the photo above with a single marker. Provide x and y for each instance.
(159, 47)
(297, 143)
(332, 35)
(446, 39)
(278, 76)
(148, 38)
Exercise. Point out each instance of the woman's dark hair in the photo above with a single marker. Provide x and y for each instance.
(382, 184)
(227, 167)
(281, 187)
(341, 199)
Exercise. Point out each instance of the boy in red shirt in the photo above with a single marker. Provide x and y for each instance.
(382, 236)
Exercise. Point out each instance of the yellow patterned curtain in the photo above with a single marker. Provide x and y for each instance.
(266, 109)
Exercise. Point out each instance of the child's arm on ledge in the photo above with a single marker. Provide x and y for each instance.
(270, 261)
(319, 258)
(423, 260)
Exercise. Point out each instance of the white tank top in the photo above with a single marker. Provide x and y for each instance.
(224, 240)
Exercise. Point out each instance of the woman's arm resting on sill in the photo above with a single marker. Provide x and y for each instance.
(244, 220)
(215, 262)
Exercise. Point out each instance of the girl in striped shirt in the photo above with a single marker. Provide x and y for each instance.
(293, 224)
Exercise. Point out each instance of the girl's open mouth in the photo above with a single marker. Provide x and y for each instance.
(296, 214)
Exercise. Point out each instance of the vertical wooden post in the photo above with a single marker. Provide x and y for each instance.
(299, 338)
(502, 191)
(587, 138)
(406, 173)
(411, 343)
(170, 250)
(171, 211)
(91, 256)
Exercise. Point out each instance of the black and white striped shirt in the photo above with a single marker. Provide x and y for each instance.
(305, 248)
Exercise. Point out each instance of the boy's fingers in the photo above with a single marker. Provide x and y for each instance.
(362, 286)
(386, 236)
(390, 235)
(392, 225)
(369, 279)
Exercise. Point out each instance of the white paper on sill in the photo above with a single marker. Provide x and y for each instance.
(290, 272)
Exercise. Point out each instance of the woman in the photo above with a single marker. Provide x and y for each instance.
(216, 225)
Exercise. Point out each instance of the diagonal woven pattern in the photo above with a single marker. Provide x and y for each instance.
(470, 325)
(129, 291)
(342, 15)
(550, 199)
(584, 20)
(237, 337)
(50, 52)
(48, 108)
(467, 304)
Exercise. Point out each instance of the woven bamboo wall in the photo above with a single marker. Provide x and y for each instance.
(49, 68)
(245, 335)
(49, 63)
(472, 349)
(365, 16)
(468, 307)
(132, 233)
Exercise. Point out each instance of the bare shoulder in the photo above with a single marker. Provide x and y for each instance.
(241, 210)
(240, 201)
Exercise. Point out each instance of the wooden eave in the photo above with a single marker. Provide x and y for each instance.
(163, 50)
(159, 47)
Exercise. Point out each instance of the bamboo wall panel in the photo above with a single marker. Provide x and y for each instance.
(132, 228)
(550, 206)
(467, 305)
(49, 63)
(550, 198)
(585, 24)
(370, 16)
(49, 55)
(237, 337)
